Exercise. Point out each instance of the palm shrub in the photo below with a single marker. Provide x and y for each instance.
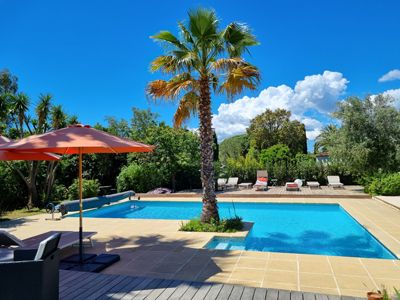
(203, 59)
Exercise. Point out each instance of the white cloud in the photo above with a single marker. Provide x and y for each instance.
(391, 75)
(395, 94)
(319, 92)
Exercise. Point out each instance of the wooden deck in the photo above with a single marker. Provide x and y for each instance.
(81, 285)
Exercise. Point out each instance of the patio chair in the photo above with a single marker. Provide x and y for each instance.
(232, 183)
(262, 180)
(294, 186)
(32, 273)
(334, 182)
(221, 183)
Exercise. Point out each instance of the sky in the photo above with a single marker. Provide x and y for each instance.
(93, 56)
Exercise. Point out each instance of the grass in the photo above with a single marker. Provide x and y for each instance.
(19, 213)
(225, 225)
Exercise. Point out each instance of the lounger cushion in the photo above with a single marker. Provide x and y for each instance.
(292, 185)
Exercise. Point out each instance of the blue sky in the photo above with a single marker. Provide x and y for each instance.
(93, 56)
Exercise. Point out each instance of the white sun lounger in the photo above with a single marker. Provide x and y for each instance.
(334, 181)
(221, 183)
(232, 182)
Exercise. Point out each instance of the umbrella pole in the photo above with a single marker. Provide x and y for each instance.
(80, 208)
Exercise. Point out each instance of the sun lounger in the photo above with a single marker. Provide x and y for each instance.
(262, 180)
(294, 186)
(8, 240)
(221, 183)
(68, 238)
(232, 183)
(334, 181)
(313, 184)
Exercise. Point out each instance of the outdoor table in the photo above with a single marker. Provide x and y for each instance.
(245, 185)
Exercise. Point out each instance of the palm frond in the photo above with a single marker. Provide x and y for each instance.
(239, 78)
(168, 37)
(203, 24)
(226, 64)
(238, 37)
(165, 64)
(179, 83)
(188, 106)
(157, 89)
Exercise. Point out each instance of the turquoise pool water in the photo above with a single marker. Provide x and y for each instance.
(325, 229)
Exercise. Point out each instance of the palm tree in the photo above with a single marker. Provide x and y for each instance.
(325, 139)
(42, 112)
(203, 59)
(20, 106)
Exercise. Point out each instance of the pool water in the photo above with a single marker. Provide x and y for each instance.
(325, 229)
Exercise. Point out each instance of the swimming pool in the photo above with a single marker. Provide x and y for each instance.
(325, 229)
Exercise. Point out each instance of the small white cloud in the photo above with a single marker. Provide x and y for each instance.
(319, 92)
(391, 75)
(395, 94)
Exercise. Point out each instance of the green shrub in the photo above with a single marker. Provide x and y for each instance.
(225, 225)
(385, 185)
(91, 188)
(59, 193)
(137, 178)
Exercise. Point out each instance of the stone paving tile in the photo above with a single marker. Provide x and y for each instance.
(247, 274)
(322, 267)
(274, 276)
(355, 282)
(282, 265)
(253, 263)
(280, 285)
(317, 280)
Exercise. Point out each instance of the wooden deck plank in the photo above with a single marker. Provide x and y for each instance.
(260, 294)
(93, 286)
(105, 288)
(155, 293)
(294, 295)
(179, 291)
(283, 295)
(202, 291)
(309, 296)
(72, 295)
(322, 297)
(272, 294)
(333, 297)
(145, 292)
(124, 289)
(133, 292)
(149, 288)
(77, 285)
(80, 285)
(214, 291)
(248, 293)
(191, 291)
(225, 292)
(120, 286)
(236, 293)
(169, 290)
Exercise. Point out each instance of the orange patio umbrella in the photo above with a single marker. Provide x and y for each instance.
(18, 155)
(77, 139)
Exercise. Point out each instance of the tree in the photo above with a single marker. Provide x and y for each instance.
(325, 139)
(275, 127)
(369, 137)
(234, 147)
(204, 57)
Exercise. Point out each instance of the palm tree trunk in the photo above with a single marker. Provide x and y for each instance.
(210, 208)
